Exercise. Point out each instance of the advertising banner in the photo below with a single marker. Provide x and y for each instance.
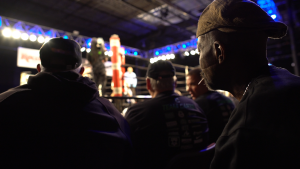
(28, 58)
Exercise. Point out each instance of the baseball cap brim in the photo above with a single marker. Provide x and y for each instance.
(238, 16)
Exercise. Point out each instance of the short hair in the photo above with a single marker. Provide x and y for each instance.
(195, 72)
(163, 84)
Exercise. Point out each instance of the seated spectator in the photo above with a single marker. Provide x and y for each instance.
(58, 120)
(216, 106)
(263, 130)
(168, 123)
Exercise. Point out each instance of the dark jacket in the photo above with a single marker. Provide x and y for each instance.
(165, 126)
(263, 131)
(217, 109)
(59, 121)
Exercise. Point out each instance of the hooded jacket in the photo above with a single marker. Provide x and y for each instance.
(58, 120)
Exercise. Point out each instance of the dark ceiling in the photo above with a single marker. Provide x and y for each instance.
(143, 24)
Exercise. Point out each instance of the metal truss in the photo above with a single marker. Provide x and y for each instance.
(43, 34)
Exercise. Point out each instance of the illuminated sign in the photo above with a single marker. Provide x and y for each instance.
(28, 58)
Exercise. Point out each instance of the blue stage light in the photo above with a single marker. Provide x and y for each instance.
(36, 30)
(156, 53)
(135, 53)
(88, 42)
(107, 46)
(66, 37)
(40, 32)
(18, 26)
(168, 48)
(183, 46)
(270, 7)
(49, 33)
(270, 11)
(125, 52)
(0, 21)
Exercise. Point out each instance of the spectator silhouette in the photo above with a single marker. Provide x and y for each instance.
(58, 120)
(263, 130)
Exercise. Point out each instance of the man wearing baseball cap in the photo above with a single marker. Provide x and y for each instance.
(168, 123)
(263, 130)
(58, 120)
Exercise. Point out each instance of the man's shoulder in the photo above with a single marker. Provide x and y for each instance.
(141, 106)
(13, 91)
(277, 87)
(148, 106)
(277, 80)
(270, 100)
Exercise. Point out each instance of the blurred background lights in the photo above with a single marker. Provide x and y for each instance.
(41, 39)
(24, 36)
(172, 56)
(32, 38)
(106, 53)
(82, 49)
(152, 60)
(162, 57)
(193, 52)
(6, 32)
(88, 50)
(110, 53)
(274, 16)
(186, 53)
(270, 11)
(168, 56)
(47, 39)
(16, 34)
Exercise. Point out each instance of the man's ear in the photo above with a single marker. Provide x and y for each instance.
(219, 51)
(148, 84)
(38, 67)
(81, 70)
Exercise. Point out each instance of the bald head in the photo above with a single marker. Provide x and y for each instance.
(129, 69)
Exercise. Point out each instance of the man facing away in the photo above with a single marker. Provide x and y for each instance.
(216, 107)
(263, 130)
(168, 123)
(58, 120)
